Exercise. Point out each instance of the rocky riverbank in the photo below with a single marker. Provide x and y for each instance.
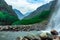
(31, 27)
(53, 35)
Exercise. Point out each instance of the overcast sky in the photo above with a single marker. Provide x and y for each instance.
(25, 6)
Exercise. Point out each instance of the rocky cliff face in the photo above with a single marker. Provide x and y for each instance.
(6, 8)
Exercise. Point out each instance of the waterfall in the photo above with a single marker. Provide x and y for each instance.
(55, 19)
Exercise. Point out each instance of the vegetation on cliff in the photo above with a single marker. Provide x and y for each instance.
(6, 19)
(36, 19)
(7, 14)
(9, 17)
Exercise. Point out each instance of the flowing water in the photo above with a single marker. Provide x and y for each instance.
(55, 19)
(53, 24)
(14, 35)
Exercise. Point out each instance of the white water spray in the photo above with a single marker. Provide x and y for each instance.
(55, 20)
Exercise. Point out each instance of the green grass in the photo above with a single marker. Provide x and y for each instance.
(36, 19)
(6, 19)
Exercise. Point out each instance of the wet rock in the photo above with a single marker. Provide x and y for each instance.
(46, 36)
(57, 38)
(18, 38)
(26, 38)
(54, 32)
(35, 39)
(31, 37)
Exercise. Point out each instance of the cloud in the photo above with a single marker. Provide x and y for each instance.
(26, 5)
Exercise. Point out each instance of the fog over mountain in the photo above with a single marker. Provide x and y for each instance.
(26, 6)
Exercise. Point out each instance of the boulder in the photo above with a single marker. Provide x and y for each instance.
(18, 38)
(46, 36)
(54, 32)
(31, 37)
(57, 38)
(26, 38)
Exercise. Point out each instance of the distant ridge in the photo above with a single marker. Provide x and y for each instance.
(39, 10)
(19, 14)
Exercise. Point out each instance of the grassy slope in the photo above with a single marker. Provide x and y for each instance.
(39, 18)
(6, 19)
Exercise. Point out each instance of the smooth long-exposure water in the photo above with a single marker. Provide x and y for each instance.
(14, 35)
(55, 20)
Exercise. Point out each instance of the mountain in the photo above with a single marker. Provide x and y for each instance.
(6, 8)
(19, 14)
(39, 10)
(42, 13)
(28, 13)
(7, 14)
